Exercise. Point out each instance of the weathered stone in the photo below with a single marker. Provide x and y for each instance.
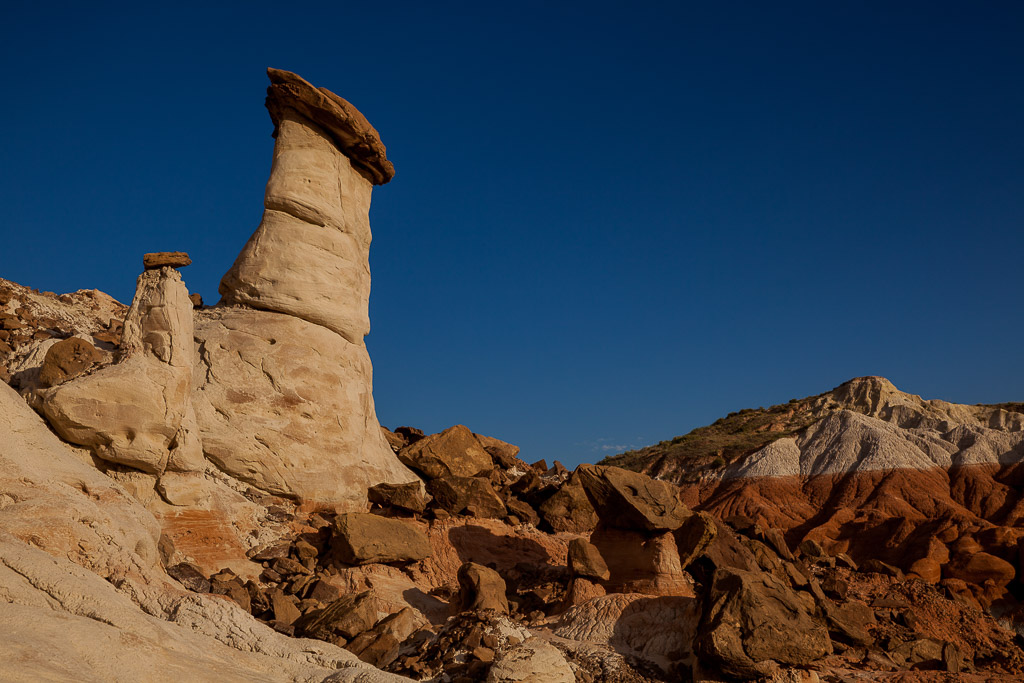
(569, 509)
(523, 511)
(694, 537)
(755, 623)
(189, 576)
(66, 360)
(467, 495)
(657, 630)
(979, 567)
(396, 441)
(380, 645)
(532, 661)
(197, 299)
(410, 434)
(285, 607)
(585, 560)
(160, 259)
(641, 562)
(133, 412)
(453, 452)
(268, 418)
(408, 496)
(480, 588)
(502, 452)
(343, 123)
(348, 616)
(363, 538)
(579, 591)
(629, 500)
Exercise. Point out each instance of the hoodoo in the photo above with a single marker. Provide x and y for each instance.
(284, 382)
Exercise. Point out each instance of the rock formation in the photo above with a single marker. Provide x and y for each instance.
(310, 255)
(283, 383)
(137, 412)
(224, 504)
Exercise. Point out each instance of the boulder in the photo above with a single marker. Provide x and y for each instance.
(694, 537)
(137, 411)
(580, 590)
(657, 630)
(532, 661)
(408, 496)
(629, 500)
(364, 538)
(502, 452)
(480, 588)
(170, 259)
(568, 509)
(585, 560)
(523, 511)
(66, 360)
(189, 576)
(396, 441)
(979, 567)
(380, 645)
(348, 616)
(640, 562)
(453, 452)
(755, 623)
(467, 495)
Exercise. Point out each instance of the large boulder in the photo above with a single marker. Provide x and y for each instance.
(407, 497)
(348, 616)
(630, 500)
(640, 562)
(66, 360)
(467, 496)
(364, 538)
(585, 560)
(568, 509)
(754, 624)
(658, 630)
(532, 661)
(480, 588)
(453, 452)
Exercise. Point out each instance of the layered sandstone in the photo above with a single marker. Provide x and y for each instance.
(283, 386)
(309, 257)
(137, 412)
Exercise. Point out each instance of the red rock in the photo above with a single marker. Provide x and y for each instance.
(173, 259)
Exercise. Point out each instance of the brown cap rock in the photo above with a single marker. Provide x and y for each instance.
(342, 122)
(174, 259)
(630, 500)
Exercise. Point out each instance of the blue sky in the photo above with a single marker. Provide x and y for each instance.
(610, 223)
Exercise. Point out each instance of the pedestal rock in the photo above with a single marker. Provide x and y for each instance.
(283, 386)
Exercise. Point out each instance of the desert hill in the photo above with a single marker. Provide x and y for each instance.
(737, 440)
(935, 489)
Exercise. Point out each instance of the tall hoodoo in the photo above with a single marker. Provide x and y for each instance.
(283, 394)
(310, 255)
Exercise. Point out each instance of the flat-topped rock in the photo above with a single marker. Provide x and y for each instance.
(159, 259)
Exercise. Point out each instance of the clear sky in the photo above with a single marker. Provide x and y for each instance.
(611, 222)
